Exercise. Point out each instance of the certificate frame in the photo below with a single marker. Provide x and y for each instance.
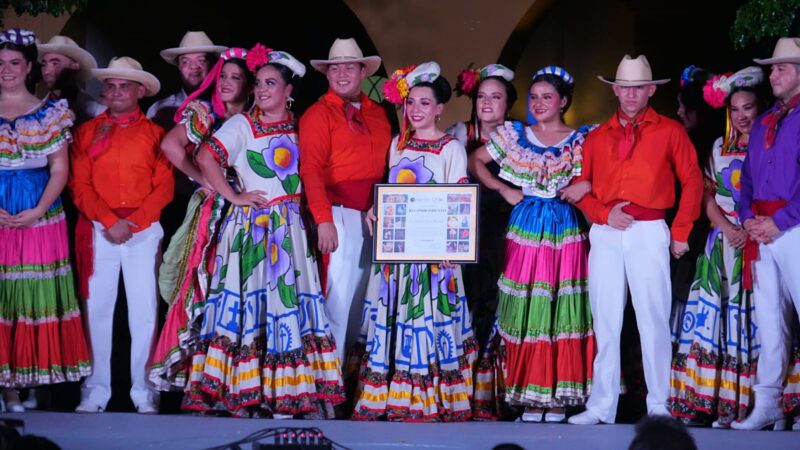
(426, 223)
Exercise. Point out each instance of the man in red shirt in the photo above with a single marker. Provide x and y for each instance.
(344, 138)
(631, 161)
(120, 182)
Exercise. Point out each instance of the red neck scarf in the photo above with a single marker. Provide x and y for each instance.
(773, 119)
(354, 118)
(102, 138)
(629, 131)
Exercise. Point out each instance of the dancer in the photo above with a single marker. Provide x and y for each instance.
(416, 344)
(120, 182)
(41, 335)
(188, 261)
(265, 346)
(769, 209)
(543, 356)
(632, 161)
(492, 96)
(713, 369)
(343, 142)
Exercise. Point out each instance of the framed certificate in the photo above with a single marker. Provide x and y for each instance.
(426, 223)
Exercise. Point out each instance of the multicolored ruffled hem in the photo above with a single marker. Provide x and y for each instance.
(490, 384)
(705, 386)
(433, 395)
(791, 392)
(190, 248)
(543, 313)
(250, 382)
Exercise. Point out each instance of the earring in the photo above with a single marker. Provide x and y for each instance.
(289, 102)
(438, 117)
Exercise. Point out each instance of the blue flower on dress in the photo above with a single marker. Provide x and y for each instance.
(731, 179)
(277, 257)
(409, 172)
(281, 156)
(259, 221)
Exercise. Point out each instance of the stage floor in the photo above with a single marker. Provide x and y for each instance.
(122, 431)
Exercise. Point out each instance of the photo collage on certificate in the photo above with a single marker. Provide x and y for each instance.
(394, 223)
(458, 222)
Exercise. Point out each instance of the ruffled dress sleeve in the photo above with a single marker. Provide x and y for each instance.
(538, 170)
(36, 134)
(199, 120)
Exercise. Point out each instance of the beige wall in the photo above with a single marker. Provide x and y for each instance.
(454, 33)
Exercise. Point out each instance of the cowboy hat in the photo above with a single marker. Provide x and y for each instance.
(787, 50)
(192, 42)
(127, 68)
(347, 50)
(69, 48)
(633, 72)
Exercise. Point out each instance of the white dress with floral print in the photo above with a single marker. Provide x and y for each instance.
(416, 332)
(266, 345)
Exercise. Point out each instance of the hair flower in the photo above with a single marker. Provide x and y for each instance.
(395, 89)
(716, 90)
(257, 57)
(468, 80)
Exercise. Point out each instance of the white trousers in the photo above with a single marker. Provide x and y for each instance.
(637, 258)
(348, 270)
(776, 285)
(137, 259)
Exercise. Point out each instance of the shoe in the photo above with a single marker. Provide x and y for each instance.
(532, 415)
(89, 407)
(585, 418)
(11, 400)
(796, 425)
(762, 418)
(282, 416)
(147, 408)
(554, 417)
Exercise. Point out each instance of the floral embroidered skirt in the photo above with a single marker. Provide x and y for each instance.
(546, 345)
(41, 334)
(713, 371)
(265, 345)
(416, 346)
(188, 256)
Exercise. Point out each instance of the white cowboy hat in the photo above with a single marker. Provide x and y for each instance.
(69, 48)
(787, 50)
(346, 50)
(127, 68)
(633, 72)
(192, 42)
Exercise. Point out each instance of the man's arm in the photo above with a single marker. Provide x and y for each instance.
(163, 185)
(690, 177)
(590, 204)
(315, 151)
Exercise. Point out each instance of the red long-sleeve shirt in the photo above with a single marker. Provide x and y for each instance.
(331, 152)
(662, 152)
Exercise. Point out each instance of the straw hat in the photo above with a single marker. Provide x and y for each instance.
(633, 72)
(344, 51)
(127, 68)
(69, 48)
(192, 42)
(787, 50)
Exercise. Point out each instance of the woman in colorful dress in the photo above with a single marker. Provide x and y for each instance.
(713, 370)
(492, 96)
(416, 345)
(542, 359)
(41, 335)
(183, 279)
(264, 346)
